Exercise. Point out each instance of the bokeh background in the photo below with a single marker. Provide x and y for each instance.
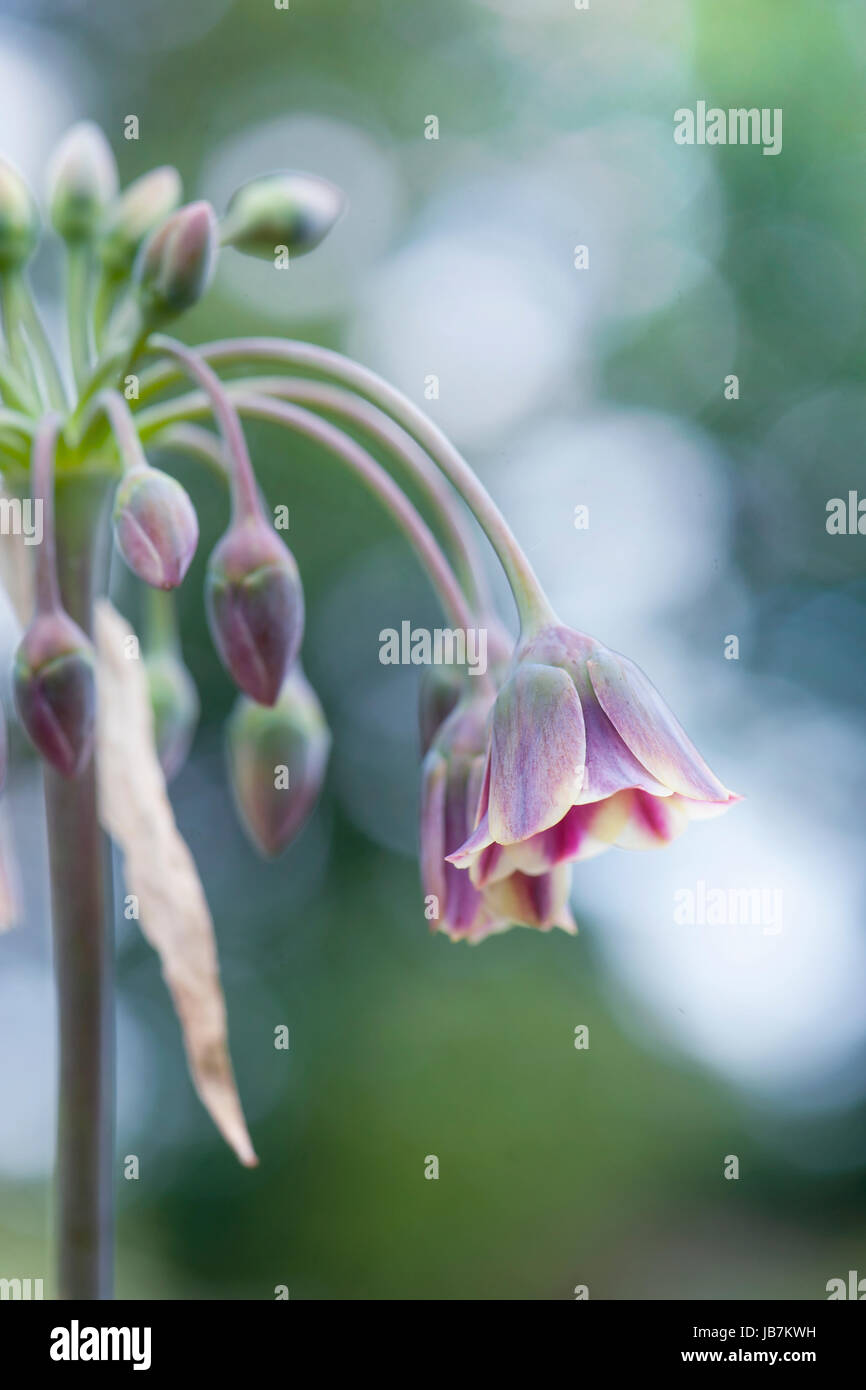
(602, 387)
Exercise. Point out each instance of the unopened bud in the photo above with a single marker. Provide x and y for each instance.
(155, 526)
(175, 705)
(175, 264)
(139, 209)
(439, 693)
(82, 181)
(293, 210)
(255, 607)
(55, 694)
(19, 219)
(277, 760)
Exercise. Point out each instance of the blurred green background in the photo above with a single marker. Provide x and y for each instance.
(557, 1167)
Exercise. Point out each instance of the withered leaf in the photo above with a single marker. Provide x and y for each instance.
(159, 869)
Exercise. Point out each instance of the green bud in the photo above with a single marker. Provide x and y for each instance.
(19, 219)
(277, 759)
(175, 264)
(139, 209)
(82, 182)
(292, 210)
(175, 705)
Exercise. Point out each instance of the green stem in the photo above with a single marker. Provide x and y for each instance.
(83, 954)
(12, 298)
(532, 604)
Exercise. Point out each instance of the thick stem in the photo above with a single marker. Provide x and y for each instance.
(532, 604)
(83, 955)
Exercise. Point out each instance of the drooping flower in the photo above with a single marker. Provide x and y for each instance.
(452, 779)
(583, 753)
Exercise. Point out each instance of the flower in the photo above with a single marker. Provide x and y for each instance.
(453, 774)
(82, 182)
(583, 753)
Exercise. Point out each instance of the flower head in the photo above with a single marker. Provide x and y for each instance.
(453, 776)
(582, 753)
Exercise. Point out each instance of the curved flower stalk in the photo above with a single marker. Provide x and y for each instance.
(559, 749)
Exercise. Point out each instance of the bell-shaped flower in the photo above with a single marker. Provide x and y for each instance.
(453, 774)
(583, 753)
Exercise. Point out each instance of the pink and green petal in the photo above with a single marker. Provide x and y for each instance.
(642, 719)
(538, 752)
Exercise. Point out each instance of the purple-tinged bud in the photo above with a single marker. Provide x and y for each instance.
(439, 693)
(155, 526)
(19, 219)
(175, 705)
(82, 181)
(55, 691)
(277, 759)
(139, 209)
(175, 264)
(255, 607)
(290, 209)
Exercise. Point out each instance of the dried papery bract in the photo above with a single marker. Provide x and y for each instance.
(160, 871)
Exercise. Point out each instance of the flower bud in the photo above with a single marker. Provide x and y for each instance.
(255, 607)
(175, 705)
(175, 264)
(19, 219)
(293, 210)
(139, 209)
(277, 759)
(82, 181)
(55, 693)
(155, 526)
(438, 694)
